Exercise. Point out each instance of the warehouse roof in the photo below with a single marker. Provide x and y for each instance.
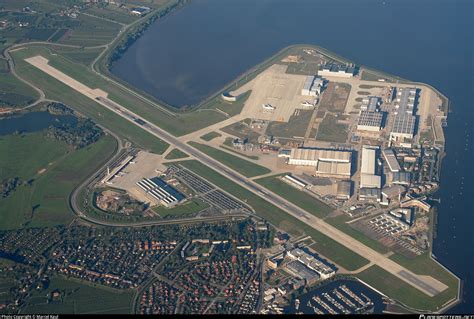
(334, 168)
(320, 154)
(391, 160)
(368, 160)
(370, 118)
(404, 124)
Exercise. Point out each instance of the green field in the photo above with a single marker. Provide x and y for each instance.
(175, 154)
(405, 293)
(324, 245)
(297, 197)
(295, 127)
(44, 202)
(186, 209)
(13, 92)
(79, 298)
(210, 136)
(242, 166)
(331, 131)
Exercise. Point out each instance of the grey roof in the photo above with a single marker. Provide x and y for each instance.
(404, 124)
(370, 118)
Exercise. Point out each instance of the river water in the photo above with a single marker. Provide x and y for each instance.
(193, 52)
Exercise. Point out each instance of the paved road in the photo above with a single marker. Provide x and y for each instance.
(426, 284)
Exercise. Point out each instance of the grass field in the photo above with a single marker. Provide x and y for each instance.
(80, 298)
(405, 293)
(186, 209)
(331, 131)
(297, 197)
(325, 245)
(175, 153)
(210, 136)
(242, 166)
(296, 126)
(45, 201)
(13, 92)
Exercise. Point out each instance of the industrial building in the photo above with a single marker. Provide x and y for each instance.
(370, 103)
(401, 178)
(344, 190)
(299, 270)
(161, 191)
(391, 160)
(326, 162)
(339, 70)
(393, 192)
(369, 194)
(370, 181)
(324, 271)
(405, 101)
(311, 156)
(312, 86)
(403, 127)
(294, 181)
(370, 121)
(368, 160)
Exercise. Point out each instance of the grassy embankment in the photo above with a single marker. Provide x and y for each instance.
(238, 164)
(325, 245)
(54, 170)
(78, 297)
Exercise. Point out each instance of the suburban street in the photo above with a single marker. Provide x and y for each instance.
(426, 284)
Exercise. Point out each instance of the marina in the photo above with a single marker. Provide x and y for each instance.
(339, 297)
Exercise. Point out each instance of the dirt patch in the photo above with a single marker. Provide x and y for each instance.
(334, 97)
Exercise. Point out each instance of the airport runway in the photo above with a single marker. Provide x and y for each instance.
(426, 284)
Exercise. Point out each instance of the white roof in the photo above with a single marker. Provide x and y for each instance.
(368, 161)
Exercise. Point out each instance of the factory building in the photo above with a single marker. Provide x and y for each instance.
(372, 194)
(403, 127)
(324, 270)
(312, 86)
(339, 70)
(326, 162)
(370, 121)
(401, 178)
(161, 191)
(368, 177)
(326, 168)
(370, 103)
(370, 181)
(344, 190)
(391, 160)
(405, 101)
(368, 160)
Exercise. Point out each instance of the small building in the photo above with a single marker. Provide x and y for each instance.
(294, 181)
(391, 160)
(344, 190)
(372, 194)
(140, 11)
(370, 103)
(337, 70)
(370, 121)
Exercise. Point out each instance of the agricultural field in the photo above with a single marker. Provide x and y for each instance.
(49, 170)
(79, 298)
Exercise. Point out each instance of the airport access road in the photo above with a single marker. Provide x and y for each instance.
(426, 284)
